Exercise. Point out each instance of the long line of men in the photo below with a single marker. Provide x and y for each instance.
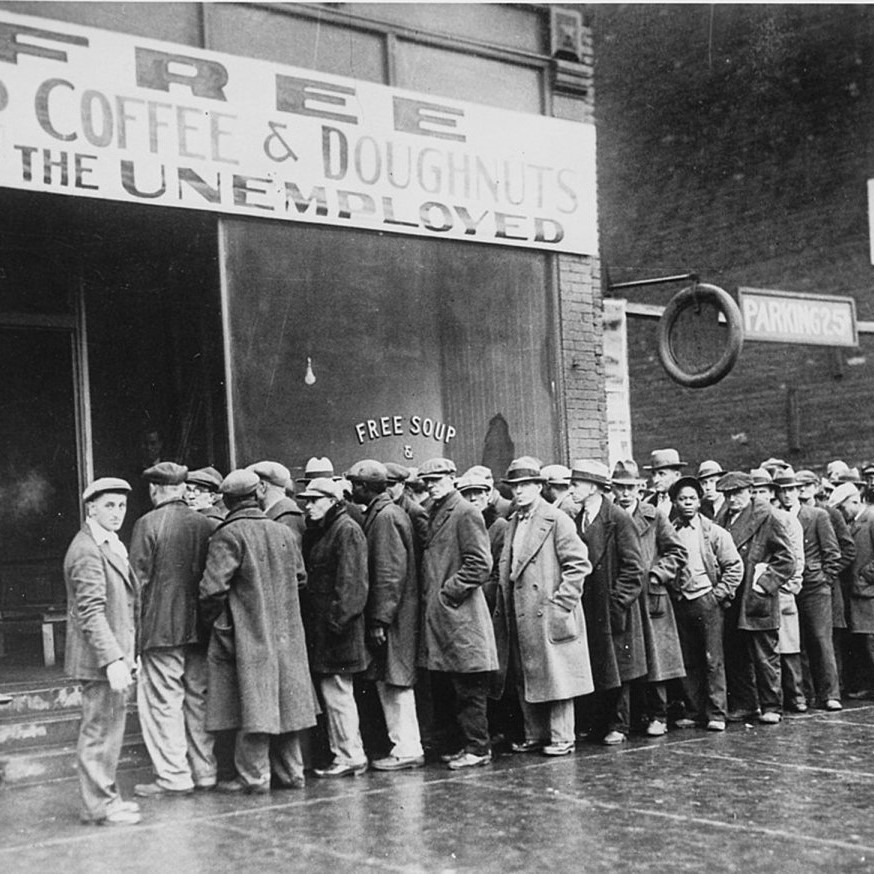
(589, 605)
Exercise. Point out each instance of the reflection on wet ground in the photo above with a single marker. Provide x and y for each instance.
(795, 797)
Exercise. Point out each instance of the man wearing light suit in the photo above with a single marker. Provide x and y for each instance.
(101, 611)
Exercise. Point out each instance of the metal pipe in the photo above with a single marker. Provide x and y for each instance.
(662, 280)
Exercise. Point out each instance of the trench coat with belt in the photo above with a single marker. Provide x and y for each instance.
(457, 634)
(611, 598)
(259, 679)
(543, 585)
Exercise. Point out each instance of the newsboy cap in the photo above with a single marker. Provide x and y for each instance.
(239, 483)
(685, 482)
(323, 487)
(841, 493)
(272, 472)
(586, 470)
(368, 471)
(166, 473)
(471, 482)
(315, 468)
(436, 468)
(104, 484)
(396, 473)
(557, 474)
(709, 468)
(525, 469)
(659, 459)
(734, 480)
(627, 472)
(206, 477)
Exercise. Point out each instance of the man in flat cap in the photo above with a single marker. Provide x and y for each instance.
(664, 557)
(168, 553)
(458, 641)
(259, 679)
(557, 489)
(202, 494)
(272, 498)
(539, 624)
(498, 505)
(334, 604)
(611, 599)
(752, 659)
(398, 476)
(392, 612)
(666, 469)
(101, 610)
(709, 473)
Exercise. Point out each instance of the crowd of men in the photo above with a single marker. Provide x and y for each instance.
(377, 618)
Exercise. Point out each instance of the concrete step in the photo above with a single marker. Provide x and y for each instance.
(54, 728)
(32, 699)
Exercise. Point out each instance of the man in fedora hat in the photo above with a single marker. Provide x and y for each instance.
(611, 599)
(664, 557)
(317, 468)
(102, 604)
(458, 640)
(666, 469)
(259, 678)
(752, 658)
(202, 494)
(539, 624)
(168, 553)
(275, 480)
(708, 473)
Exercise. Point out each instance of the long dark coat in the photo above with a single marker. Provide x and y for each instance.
(822, 555)
(419, 520)
(168, 554)
(847, 546)
(761, 538)
(393, 597)
(664, 556)
(259, 679)
(611, 598)
(859, 587)
(542, 586)
(336, 594)
(457, 634)
(102, 603)
(286, 511)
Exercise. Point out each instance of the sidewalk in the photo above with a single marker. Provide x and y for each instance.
(792, 798)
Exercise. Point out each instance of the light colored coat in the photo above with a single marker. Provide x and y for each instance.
(543, 586)
(789, 641)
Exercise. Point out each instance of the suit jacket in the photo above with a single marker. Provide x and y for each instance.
(822, 555)
(102, 602)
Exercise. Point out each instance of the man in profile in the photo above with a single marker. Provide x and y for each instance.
(101, 609)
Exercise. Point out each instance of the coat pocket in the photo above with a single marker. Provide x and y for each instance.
(224, 644)
(562, 625)
(758, 606)
(657, 601)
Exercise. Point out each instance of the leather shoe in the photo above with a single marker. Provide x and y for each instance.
(833, 704)
(716, 725)
(528, 746)
(612, 738)
(559, 749)
(770, 717)
(684, 722)
(293, 783)
(234, 787)
(341, 769)
(397, 763)
(469, 760)
(448, 757)
(120, 815)
(656, 728)
(153, 790)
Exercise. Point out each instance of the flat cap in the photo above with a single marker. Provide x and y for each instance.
(272, 472)
(105, 484)
(659, 459)
(367, 471)
(841, 493)
(626, 472)
(734, 480)
(806, 477)
(315, 468)
(690, 482)
(472, 482)
(239, 483)
(435, 468)
(556, 474)
(323, 487)
(525, 469)
(709, 468)
(591, 471)
(207, 477)
(396, 473)
(166, 473)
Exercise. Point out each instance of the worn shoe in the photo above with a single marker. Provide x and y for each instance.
(833, 705)
(342, 769)
(559, 749)
(716, 725)
(612, 738)
(293, 783)
(656, 728)
(770, 717)
(448, 757)
(237, 787)
(153, 790)
(469, 760)
(743, 715)
(398, 763)
(528, 746)
(121, 814)
(798, 706)
(684, 722)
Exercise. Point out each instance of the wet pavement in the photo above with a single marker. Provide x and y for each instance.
(791, 798)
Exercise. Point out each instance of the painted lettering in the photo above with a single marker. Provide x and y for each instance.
(159, 70)
(310, 97)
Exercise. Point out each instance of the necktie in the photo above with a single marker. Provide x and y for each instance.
(586, 520)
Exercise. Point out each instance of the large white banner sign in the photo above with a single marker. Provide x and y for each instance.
(91, 113)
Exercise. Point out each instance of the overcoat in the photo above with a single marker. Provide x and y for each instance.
(259, 679)
(859, 587)
(457, 633)
(789, 639)
(611, 598)
(664, 557)
(847, 546)
(102, 604)
(167, 555)
(286, 511)
(822, 554)
(336, 594)
(763, 541)
(539, 596)
(419, 520)
(393, 596)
